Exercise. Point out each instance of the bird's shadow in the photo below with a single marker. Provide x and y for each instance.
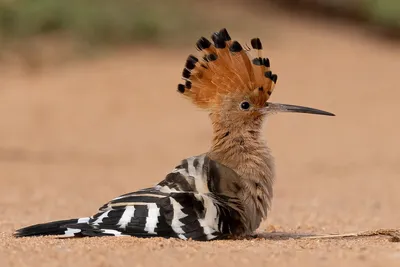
(281, 235)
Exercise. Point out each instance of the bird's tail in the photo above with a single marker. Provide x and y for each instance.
(52, 228)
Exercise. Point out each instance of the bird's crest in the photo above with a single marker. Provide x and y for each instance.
(226, 69)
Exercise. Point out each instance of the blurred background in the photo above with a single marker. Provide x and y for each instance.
(89, 109)
(30, 28)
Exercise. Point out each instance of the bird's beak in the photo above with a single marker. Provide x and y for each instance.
(276, 107)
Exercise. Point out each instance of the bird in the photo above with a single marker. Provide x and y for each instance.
(223, 193)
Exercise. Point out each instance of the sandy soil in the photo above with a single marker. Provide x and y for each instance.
(74, 136)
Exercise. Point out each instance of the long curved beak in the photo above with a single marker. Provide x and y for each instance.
(276, 107)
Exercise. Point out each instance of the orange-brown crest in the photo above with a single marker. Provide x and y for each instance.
(227, 70)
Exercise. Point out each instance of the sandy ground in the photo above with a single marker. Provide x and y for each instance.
(75, 136)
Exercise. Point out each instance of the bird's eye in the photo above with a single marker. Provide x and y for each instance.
(245, 105)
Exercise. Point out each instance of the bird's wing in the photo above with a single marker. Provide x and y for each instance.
(189, 203)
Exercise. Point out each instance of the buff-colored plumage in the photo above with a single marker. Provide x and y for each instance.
(226, 70)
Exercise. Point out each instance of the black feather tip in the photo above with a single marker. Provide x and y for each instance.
(235, 47)
(188, 84)
(225, 35)
(258, 61)
(219, 41)
(191, 62)
(266, 62)
(211, 57)
(181, 88)
(274, 78)
(203, 43)
(185, 73)
(256, 43)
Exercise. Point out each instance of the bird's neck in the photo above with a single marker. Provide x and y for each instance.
(241, 148)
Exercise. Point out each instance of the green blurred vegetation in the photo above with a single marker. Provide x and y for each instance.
(384, 12)
(96, 21)
(381, 12)
(132, 21)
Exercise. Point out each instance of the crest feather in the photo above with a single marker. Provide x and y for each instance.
(225, 69)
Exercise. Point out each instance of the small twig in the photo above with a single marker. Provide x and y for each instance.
(393, 233)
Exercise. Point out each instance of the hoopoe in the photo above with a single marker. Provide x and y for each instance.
(225, 192)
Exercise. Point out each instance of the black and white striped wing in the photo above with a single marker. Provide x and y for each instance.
(148, 214)
(186, 204)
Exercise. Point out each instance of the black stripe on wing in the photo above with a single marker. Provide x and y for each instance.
(179, 182)
(137, 214)
(182, 212)
(50, 228)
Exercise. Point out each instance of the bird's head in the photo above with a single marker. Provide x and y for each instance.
(232, 82)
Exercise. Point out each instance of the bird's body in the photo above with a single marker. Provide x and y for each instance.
(193, 201)
(225, 192)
